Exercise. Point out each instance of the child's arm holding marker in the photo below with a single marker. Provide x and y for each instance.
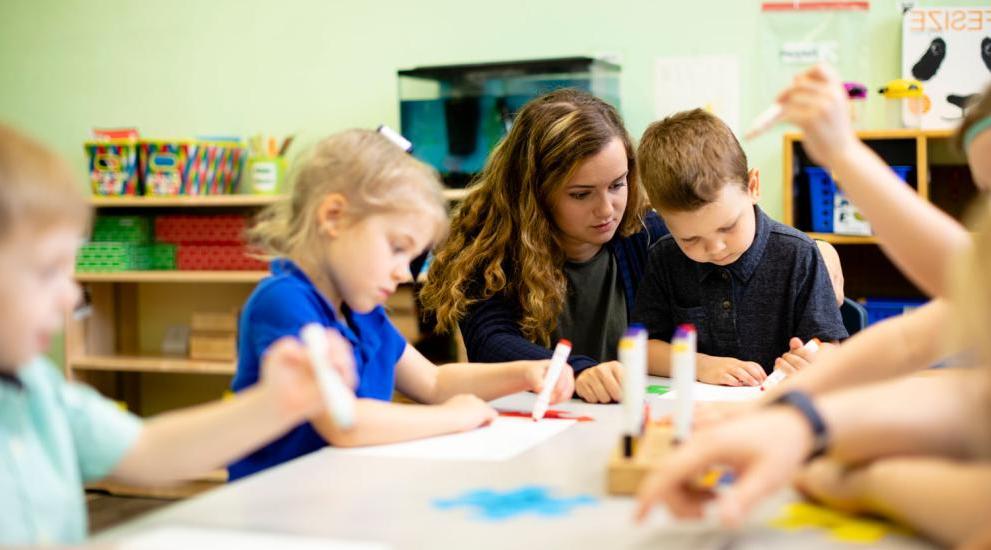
(725, 371)
(893, 347)
(919, 238)
(949, 416)
(378, 422)
(425, 382)
(183, 444)
(800, 355)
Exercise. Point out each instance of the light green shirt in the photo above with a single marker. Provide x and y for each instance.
(54, 436)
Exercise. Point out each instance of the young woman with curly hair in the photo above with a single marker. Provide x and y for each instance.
(550, 243)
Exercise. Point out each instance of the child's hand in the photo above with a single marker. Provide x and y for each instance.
(817, 103)
(602, 383)
(795, 360)
(708, 414)
(762, 465)
(835, 485)
(470, 410)
(287, 373)
(728, 371)
(535, 371)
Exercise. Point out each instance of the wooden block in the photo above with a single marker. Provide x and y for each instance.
(214, 322)
(213, 347)
(625, 474)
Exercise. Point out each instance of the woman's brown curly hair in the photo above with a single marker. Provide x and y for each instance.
(504, 232)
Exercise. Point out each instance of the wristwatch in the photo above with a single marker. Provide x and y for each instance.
(801, 402)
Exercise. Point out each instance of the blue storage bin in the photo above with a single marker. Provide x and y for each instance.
(822, 190)
(879, 309)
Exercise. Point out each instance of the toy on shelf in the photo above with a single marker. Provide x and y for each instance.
(267, 164)
(190, 167)
(907, 102)
(208, 242)
(214, 336)
(113, 162)
(124, 243)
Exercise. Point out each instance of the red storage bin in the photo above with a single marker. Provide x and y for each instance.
(222, 257)
(219, 229)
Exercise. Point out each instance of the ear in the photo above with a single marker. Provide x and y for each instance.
(331, 212)
(753, 185)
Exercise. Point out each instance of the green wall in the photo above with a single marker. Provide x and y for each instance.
(191, 67)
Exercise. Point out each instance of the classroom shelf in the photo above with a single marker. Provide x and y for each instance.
(184, 201)
(896, 133)
(939, 175)
(172, 277)
(137, 363)
(232, 201)
(833, 238)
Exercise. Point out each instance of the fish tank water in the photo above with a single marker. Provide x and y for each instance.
(456, 114)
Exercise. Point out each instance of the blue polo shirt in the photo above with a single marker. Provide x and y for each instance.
(280, 306)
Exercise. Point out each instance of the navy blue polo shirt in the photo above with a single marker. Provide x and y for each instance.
(778, 288)
(280, 306)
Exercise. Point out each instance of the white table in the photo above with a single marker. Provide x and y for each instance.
(391, 500)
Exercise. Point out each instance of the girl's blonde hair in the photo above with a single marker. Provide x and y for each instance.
(503, 238)
(971, 275)
(36, 186)
(977, 109)
(371, 172)
(971, 290)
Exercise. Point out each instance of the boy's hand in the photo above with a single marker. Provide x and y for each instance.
(535, 371)
(602, 383)
(470, 410)
(728, 371)
(817, 103)
(762, 465)
(795, 360)
(288, 374)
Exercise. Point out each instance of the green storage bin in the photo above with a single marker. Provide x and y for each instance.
(122, 229)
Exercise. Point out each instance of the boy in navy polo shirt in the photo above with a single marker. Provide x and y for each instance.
(754, 288)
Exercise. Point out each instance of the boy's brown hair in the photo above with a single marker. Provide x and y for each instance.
(686, 159)
(36, 185)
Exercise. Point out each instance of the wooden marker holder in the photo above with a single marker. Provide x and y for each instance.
(625, 474)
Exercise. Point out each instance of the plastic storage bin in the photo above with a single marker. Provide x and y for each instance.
(822, 193)
(879, 309)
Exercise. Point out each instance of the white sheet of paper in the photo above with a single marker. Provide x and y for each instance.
(203, 538)
(505, 438)
(712, 392)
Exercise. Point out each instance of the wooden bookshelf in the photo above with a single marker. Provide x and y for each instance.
(939, 175)
(215, 201)
(174, 276)
(137, 363)
(833, 238)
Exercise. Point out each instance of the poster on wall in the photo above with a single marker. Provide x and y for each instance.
(949, 51)
(710, 82)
